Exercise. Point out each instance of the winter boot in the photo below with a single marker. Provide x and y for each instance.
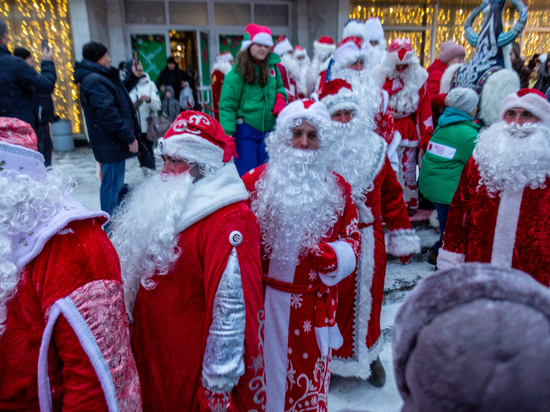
(377, 374)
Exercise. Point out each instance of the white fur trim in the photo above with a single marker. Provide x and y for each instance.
(392, 151)
(328, 337)
(403, 242)
(445, 84)
(283, 47)
(345, 99)
(385, 100)
(506, 228)
(433, 219)
(410, 57)
(223, 66)
(260, 38)
(323, 47)
(446, 259)
(193, 148)
(348, 54)
(355, 28)
(296, 110)
(498, 86)
(536, 104)
(378, 75)
(346, 263)
(374, 29)
(224, 57)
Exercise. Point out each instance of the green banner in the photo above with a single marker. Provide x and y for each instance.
(151, 49)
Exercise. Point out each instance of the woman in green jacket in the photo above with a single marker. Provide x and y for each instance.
(252, 97)
(450, 147)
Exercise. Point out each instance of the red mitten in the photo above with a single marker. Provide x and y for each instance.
(405, 259)
(324, 259)
(280, 103)
(210, 401)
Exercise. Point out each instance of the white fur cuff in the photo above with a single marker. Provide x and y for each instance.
(446, 259)
(403, 242)
(346, 263)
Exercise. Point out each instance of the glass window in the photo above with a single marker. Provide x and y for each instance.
(268, 15)
(144, 12)
(194, 14)
(231, 14)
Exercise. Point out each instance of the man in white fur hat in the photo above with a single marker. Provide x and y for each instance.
(289, 67)
(377, 44)
(501, 210)
(223, 65)
(300, 54)
(323, 49)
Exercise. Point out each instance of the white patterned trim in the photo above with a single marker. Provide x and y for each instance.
(446, 259)
(403, 242)
(506, 228)
(345, 266)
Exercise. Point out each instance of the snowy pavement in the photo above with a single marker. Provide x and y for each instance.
(344, 393)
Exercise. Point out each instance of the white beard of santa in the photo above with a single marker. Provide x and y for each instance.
(223, 66)
(405, 101)
(145, 231)
(365, 88)
(23, 205)
(292, 66)
(511, 157)
(377, 53)
(298, 199)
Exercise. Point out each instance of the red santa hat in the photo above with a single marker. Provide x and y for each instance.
(305, 109)
(374, 29)
(19, 150)
(225, 56)
(324, 45)
(299, 52)
(348, 51)
(256, 34)
(531, 100)
(282, 46)
(401, 51)
(199, 138)
(338, 95)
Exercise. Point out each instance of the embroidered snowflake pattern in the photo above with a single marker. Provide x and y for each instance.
(313, 276)
(429, 123)
(257, 364)
(305, 355)
(290, 375)
(289, 351)
(352, 228)
(296, 300)
(307, 326)
(297, 332)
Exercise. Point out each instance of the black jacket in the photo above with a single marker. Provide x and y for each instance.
(173, 78)
(19, 83)
(110, 115)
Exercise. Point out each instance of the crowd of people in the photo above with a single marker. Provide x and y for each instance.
(251, 268)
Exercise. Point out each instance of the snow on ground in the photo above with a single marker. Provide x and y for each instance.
(344, 393)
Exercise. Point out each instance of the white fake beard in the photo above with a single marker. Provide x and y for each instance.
(23, 205)
(144, 231)
(292, 66)
(298, 201)
(365, 88)
(355, 157)
(225, 67)
(511, 157)
(376, 54)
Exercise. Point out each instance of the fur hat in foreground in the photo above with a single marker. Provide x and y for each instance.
(474, 337)
(531, 100)
(338, 95)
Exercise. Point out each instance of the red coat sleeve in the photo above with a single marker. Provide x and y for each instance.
(425, 118)
(393, 208)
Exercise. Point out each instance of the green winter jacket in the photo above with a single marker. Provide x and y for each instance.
(450, 147)
(250, 102)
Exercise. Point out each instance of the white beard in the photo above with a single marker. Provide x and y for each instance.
(357, 159)
(367, 91)
(512, 157)
(292, 66)
(302, 83)
(298, 201)
(23, 205)
(225, 67)
(405, 101)
(145, 234)
(377, 54)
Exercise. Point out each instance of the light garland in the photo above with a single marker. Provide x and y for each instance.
(30, 22)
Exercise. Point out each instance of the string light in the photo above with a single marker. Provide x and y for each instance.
(30, 22)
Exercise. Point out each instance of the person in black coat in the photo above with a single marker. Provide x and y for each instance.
(111, 120)
(19, 82)
(173, 76)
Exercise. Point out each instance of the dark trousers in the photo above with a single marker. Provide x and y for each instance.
(442, 212)
(112, 182)
(44, 140)
(250, 145)
(146, 156)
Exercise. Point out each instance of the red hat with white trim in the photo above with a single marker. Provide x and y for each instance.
(348, 52)
(225, 56)
(255, 33)
(531, 100)
(401, 51)
(304, 109)
(299, 52)
(282, 46)
(17, 132)
(199, 138)
(324, 45)
(338, 95)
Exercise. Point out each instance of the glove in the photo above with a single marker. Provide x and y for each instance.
(280, 103)
(324, 259)
(405, 259)
(210, 401)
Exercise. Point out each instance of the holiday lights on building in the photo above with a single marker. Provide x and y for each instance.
(31, 22)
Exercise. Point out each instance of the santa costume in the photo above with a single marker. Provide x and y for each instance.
(376, 42)
(289, 67)
(323, 49)
(360, 157)
(64, 334)
(374, 100)
(405, 80)
(190, 247)
(300, 55)
(224, 63)
(310, 242)
(501, 210)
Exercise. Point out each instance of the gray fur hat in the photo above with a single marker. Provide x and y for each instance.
(474, 338)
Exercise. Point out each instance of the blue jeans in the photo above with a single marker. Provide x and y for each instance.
(111, 184)
(442, 211)
(250, 146)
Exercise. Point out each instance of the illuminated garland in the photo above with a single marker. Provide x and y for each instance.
(30, 22)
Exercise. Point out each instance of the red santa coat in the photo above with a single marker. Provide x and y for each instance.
(361, 295)
(217, 83)
(289, 83)
(172, 320)
(78, 263)
(511, 229)
(298, 376)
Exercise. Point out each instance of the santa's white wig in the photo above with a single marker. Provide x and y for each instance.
(511, 157)
(25, 203)
(298, 198)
